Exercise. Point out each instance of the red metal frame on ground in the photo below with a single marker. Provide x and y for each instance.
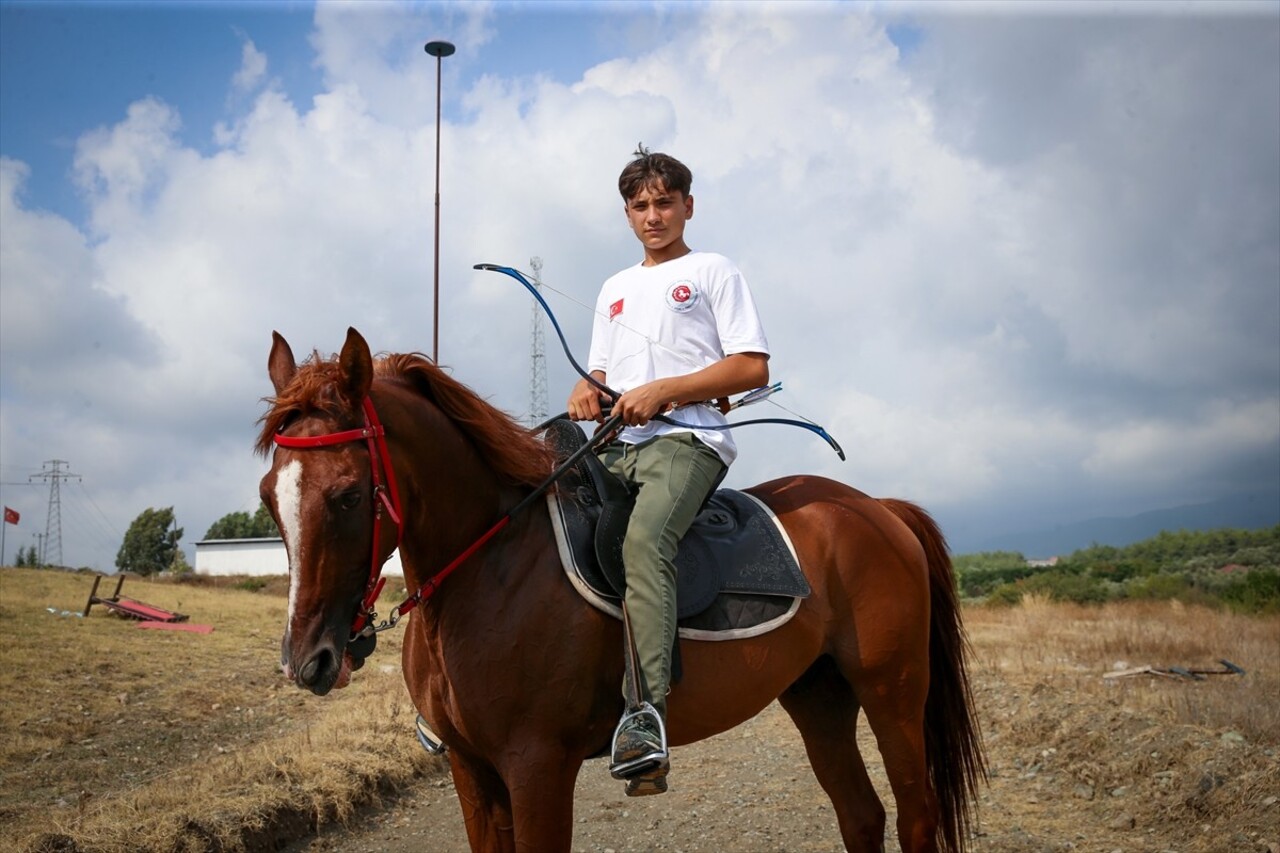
(130, 608)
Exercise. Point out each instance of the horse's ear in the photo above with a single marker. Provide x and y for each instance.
(357, 366)
(280, 364)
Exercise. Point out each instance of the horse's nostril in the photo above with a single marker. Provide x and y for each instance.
(316, 668)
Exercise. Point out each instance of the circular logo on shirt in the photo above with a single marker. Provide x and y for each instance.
(682, 296)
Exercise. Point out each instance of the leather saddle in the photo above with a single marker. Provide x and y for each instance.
(737, 574)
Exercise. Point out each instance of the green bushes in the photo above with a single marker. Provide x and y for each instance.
(980, 574)
(1060, 585)
(1239, 569)
(1005, 595)
(1158, 587)
(1255, 591)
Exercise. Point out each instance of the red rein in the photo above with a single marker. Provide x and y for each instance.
(379, 461)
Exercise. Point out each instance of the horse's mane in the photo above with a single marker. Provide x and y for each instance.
(515, 455)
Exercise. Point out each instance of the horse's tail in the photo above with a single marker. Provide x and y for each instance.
(953, 745)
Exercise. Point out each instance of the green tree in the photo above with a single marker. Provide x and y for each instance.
(180, 566)
(264, 526)
(233, 525)
(150, 543)
(979, 574)
(241, 525)
(1066, 586)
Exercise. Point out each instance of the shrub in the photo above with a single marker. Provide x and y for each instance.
(1123, 570)
(1157, 587)
(1066, 586)
(1256, 591)
(1005, 595)
(975, 583)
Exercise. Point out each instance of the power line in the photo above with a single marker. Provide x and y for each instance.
(83, 524)
(110, 528)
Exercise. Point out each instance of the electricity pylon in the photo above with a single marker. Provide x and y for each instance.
(51, 545)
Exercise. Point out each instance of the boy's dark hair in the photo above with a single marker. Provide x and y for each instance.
(648, 169)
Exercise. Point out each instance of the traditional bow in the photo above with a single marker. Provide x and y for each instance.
(604, 389)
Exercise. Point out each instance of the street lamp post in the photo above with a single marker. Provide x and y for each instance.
(438, 49)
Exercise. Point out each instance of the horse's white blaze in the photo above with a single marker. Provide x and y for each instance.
(289, 506)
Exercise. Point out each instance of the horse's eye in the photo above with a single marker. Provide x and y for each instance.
(349, 500)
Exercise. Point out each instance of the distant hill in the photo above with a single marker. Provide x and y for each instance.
(1246, 513)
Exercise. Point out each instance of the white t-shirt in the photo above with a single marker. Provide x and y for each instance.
(670, 320)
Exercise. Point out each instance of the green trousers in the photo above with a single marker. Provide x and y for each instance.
(674, 473)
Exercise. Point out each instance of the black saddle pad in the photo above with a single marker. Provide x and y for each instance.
(734, 567)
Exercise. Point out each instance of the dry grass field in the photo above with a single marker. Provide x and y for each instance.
(1136, 763)
(126, 739)
(123, 739)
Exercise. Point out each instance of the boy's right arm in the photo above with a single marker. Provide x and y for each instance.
(584, 400)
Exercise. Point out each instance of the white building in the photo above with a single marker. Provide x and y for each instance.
(257, 557)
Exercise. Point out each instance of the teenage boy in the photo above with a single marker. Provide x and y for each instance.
(671, 332)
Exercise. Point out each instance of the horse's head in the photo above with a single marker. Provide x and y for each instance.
(333, 490)
(323, 495)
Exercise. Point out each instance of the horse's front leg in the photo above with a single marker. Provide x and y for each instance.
(541, 781)
(486, 805)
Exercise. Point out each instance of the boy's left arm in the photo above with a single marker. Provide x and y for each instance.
(733, 374)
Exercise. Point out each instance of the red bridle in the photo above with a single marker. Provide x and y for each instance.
(380, 458)
(375, 436)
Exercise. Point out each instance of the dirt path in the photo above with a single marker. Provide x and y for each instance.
(748, 789)
(1073, 768)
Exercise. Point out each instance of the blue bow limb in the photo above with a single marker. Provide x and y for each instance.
(564, 344)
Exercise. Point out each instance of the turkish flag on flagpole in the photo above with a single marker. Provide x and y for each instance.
(10, 517)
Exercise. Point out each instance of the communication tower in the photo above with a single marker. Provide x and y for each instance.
(537, 356)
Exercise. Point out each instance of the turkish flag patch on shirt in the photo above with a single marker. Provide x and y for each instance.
(615, 309)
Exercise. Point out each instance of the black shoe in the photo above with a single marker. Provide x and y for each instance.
(640, 751)
(640, 756)
(637, 738)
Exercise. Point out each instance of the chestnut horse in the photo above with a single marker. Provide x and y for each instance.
(521, 677)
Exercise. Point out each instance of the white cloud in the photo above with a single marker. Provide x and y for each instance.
(120, 168)
(253, 67)
(378, 49)
(989, 300)
(1145, 153)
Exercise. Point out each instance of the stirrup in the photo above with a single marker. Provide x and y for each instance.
(430, 740)
(645, 763)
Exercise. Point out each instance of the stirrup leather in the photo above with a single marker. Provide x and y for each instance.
(645, 763)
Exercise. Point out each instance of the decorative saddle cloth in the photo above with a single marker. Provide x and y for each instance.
(737, 572)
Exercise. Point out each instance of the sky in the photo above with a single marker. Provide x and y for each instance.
(1022, 262)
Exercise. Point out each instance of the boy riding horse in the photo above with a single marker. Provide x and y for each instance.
(670, 332)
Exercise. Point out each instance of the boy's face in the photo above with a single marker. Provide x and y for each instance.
(657, 216)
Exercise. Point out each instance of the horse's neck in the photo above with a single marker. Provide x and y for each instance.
(481, 613)
(450, 497)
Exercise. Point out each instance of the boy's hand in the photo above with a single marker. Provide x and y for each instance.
(584, 402)
(639, 405)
